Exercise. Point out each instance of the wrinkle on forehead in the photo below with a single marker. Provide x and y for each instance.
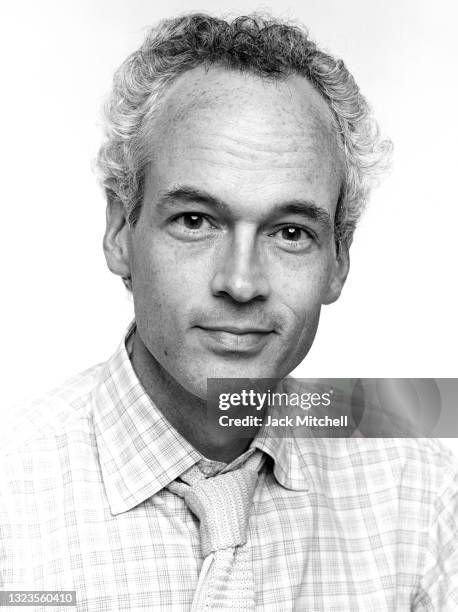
(249, 117)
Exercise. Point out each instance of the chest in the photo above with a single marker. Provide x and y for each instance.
(309, 552)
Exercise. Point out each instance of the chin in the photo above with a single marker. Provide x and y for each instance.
(197, 384)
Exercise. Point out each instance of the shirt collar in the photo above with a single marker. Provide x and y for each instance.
(290, 467)
(140, 452)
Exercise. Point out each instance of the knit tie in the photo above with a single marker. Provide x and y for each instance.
(222, 504)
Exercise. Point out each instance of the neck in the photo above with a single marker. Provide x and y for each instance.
(186, 412)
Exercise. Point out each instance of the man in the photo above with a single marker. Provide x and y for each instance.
(237, 161)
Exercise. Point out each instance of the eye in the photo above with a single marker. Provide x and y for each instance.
(191, 221)
(192, 225)
(294, 235)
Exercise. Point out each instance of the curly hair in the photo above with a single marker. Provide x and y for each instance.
(255, 44)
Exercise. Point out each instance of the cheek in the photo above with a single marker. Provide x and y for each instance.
(166, 283)
(158, 286)
(302, 289)
(300, 293)
(158, 273)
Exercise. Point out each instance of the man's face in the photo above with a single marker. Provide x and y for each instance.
(233, 253)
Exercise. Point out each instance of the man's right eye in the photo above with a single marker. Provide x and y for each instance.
(191, 221)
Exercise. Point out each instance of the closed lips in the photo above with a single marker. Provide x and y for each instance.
(237, 330)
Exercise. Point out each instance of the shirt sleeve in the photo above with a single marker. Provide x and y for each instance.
(438, 590)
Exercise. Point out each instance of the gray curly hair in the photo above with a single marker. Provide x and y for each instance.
(262, 46)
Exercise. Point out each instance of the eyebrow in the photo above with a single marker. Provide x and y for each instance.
(186, 194)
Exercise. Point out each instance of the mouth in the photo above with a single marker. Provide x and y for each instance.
(235, 339)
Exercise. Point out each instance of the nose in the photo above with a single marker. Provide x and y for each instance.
(240, 274)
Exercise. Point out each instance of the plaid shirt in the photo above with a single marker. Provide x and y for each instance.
(336, 525)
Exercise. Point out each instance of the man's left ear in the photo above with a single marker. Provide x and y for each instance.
(338, 276)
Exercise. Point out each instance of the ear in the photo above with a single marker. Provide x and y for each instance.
(116, 239)
(338, 276)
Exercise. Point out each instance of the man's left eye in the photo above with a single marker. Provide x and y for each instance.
(293, 233)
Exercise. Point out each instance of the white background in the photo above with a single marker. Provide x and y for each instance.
(63, 310)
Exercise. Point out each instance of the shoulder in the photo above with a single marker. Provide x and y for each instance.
(421, 468)
(33, 422)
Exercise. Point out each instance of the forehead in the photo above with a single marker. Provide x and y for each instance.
(245, 131)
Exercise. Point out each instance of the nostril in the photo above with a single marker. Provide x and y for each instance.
(240, 273)
(240, 289)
